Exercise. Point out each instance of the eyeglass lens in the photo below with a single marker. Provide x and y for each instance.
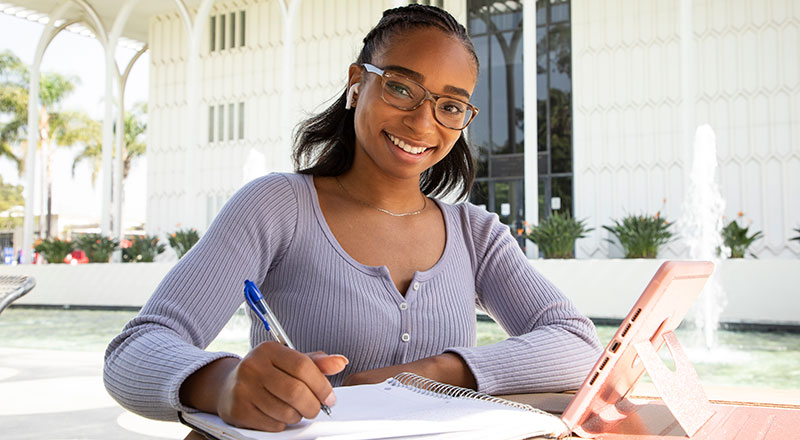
(406, 95)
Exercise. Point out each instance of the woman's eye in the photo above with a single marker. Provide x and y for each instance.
(451, 107)
(398, 89)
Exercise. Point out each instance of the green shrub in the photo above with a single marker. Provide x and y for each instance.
(143, 250)
(54, 250)
(641, 236)
(98, 249)
(556, 235)
(182, 240)
(735, 237)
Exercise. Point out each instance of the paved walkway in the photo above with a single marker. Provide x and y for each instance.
(59, 395)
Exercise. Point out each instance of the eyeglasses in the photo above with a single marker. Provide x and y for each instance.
(404, 93)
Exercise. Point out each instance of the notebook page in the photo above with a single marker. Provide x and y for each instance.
(386, 411)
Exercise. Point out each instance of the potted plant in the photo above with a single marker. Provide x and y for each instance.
(142, 249)
(97, 248)
(182, 240)
(737, 239)
(798, 234)
(556, 235)
(54, 250)
(641, 236)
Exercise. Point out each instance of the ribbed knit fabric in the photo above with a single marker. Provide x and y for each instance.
(273, 232)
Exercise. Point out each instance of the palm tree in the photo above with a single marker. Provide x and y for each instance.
(54, 125)
(135, 126)
(13, 105)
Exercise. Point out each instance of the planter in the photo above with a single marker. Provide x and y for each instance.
(758, 291)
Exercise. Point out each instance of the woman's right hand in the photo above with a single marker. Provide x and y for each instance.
(273, 386)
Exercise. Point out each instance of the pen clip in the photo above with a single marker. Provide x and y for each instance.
(254, 298)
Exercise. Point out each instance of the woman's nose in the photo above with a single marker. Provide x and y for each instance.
(421, 119)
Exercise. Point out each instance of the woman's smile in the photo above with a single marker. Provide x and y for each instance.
(409, 146)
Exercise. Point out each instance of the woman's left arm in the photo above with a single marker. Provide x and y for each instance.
(551, 347)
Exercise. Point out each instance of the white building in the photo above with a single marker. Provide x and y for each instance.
(619, 90)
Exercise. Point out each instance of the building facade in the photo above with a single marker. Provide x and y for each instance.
(618, 88)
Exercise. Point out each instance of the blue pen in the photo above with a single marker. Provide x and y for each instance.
(256, 302)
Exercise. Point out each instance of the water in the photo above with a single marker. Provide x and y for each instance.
(700, 225)
(743, 359)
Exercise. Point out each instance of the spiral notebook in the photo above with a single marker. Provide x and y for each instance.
(405, 406)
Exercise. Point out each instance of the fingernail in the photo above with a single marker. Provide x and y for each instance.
(346, 361)
(330, 400)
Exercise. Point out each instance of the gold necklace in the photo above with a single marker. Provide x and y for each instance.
(385, 211)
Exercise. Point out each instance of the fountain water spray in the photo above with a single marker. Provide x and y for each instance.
(700, 225)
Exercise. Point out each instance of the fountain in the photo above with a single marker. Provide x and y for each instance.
(700, 225)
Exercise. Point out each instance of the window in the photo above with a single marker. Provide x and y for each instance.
(210, 123)
(230, 122)
(219, 39)
(233, 30)
(554, 106)
(212, 32)
(220, 122)
(498, 133)
(437, 3)
(241, 28)
(241, 120)
(222, 32)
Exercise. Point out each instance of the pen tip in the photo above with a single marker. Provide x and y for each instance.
(326, 410)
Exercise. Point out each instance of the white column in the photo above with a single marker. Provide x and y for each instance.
(190, 215)
(116, 184)
(108, 146)
(48, 33)
(118, 150)
(281, 157)
(530, 122)
(30, 162)
(687, 86)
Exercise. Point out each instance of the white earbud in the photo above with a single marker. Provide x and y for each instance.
(350, 94)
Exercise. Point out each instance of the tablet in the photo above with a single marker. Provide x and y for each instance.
(659, 309)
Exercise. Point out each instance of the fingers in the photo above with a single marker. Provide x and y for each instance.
(329, 364)
(310, 386)
(274, 386)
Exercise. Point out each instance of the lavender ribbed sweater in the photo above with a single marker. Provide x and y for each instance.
(273, 232)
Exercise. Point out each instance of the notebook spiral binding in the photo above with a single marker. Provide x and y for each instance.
(431, 387)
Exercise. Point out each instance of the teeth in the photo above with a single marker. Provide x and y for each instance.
(407, 148)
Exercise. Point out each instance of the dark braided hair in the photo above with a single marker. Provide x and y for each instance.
(324, 145)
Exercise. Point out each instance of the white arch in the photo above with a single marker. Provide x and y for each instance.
(49, 32)
(122, 81)
(195, 26)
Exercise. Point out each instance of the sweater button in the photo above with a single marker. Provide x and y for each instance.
(416, 285)
(405, 337)
(403, 306)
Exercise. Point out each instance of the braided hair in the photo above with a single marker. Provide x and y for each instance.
(324, 144)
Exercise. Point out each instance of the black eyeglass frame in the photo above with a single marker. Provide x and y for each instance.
(429, 96)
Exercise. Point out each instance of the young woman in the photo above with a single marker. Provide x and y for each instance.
(357, 258)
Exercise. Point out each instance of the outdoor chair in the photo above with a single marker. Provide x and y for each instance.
(12, 287)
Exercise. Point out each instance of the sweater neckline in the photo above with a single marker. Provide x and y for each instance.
(381, 271)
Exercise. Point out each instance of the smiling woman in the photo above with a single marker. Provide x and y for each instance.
(357, 256)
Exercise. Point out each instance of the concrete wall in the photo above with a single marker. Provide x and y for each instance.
(630, 157)
(759, 291)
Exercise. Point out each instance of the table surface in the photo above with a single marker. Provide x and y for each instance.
(556, 403)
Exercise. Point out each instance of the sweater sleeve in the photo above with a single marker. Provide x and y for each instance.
(148, 361)
(551, 346)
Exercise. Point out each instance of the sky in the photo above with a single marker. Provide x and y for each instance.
(73, 54)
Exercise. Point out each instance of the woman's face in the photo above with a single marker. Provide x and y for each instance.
(385, 134)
